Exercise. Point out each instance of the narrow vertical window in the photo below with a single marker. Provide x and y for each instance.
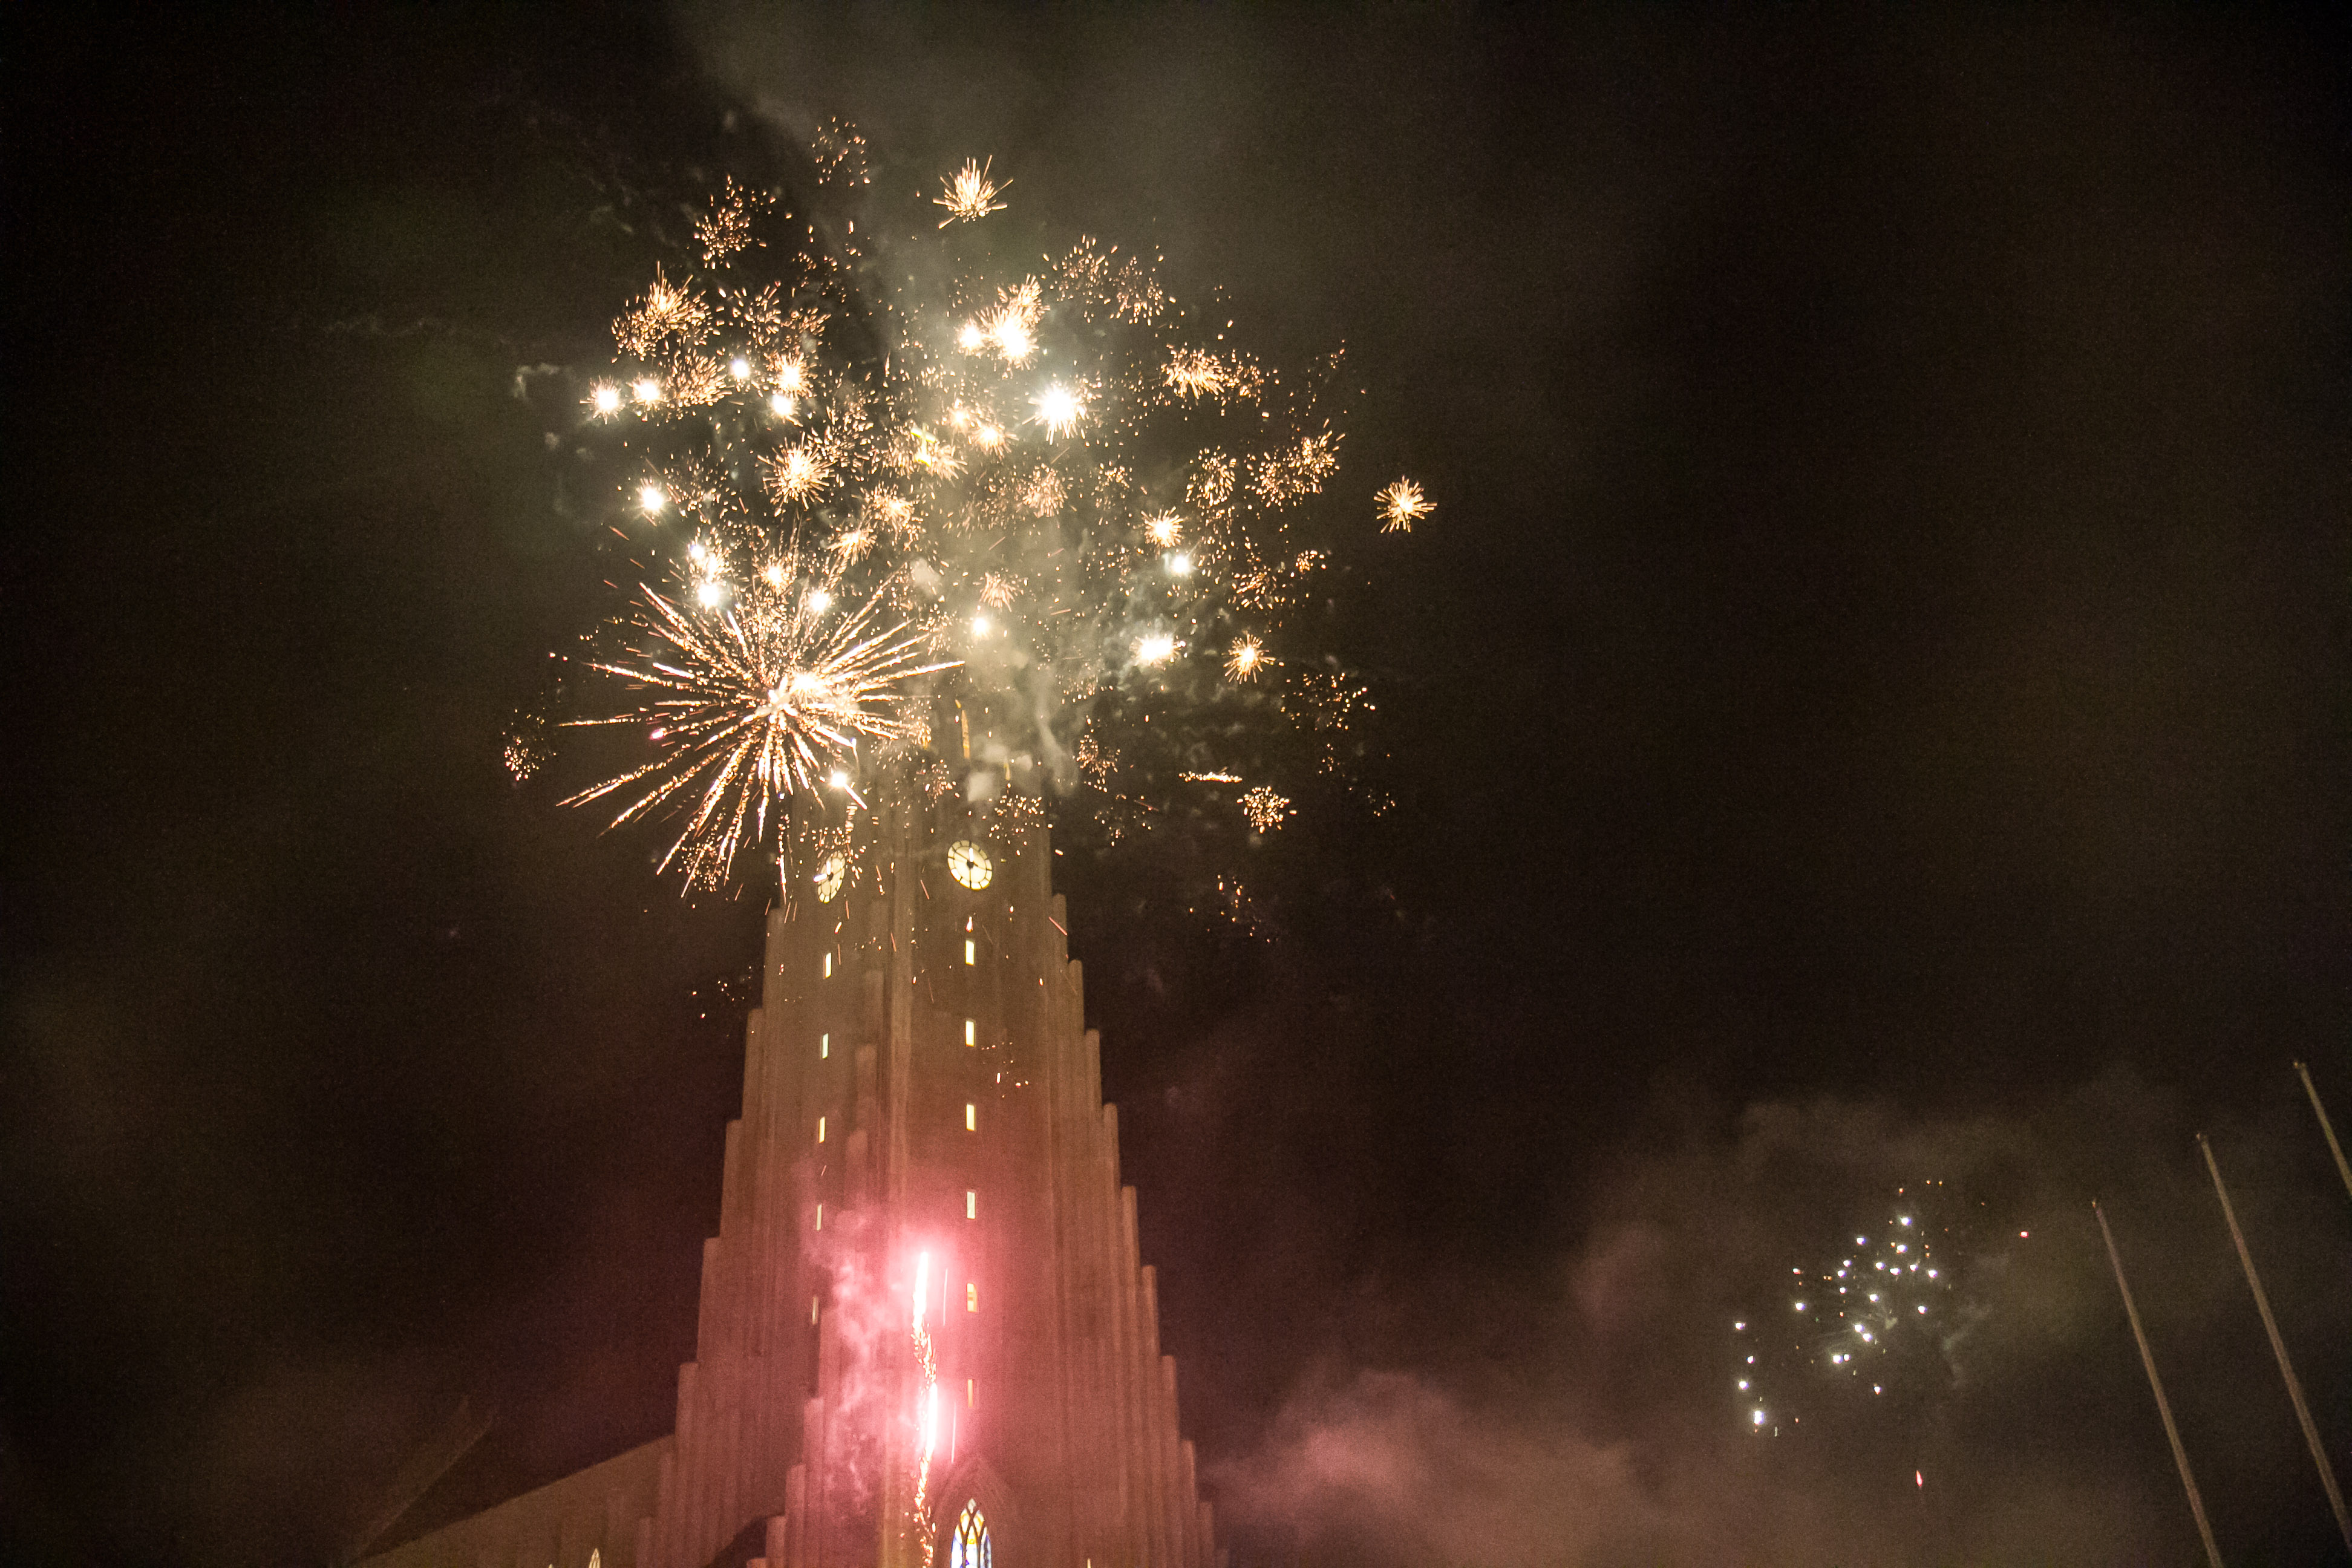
(970, 1395)
(971, 1205)
(970, 1117)
(970, 952)
(820, 1128)
(972, 1297)
(971, 1032)
(823, 1046)
(828, 966)
(813, 1304)
(820, 1216)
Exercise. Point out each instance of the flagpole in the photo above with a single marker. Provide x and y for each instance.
(2278, 1348)
(2320, 1110)
(2163, 1406)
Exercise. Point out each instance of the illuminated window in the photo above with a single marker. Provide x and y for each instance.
(971, 1205)
(823, 1046)
(971, 951)
(971, 1298)
(820, 1216)
(813, 1304)
(970, 1117)
(971, 1032)
(828, 966)
(820, 1128)
(970, 1547)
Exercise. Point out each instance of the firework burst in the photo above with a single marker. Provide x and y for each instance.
(1401, 505)
(1065, 482)
(971, 194)
(751, 703)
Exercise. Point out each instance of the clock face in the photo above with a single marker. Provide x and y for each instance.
(969, 864)
(829, 877)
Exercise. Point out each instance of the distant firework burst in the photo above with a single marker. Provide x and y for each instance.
(1873, 1320)
(1053, 495)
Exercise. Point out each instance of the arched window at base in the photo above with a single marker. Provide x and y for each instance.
(968, 1549)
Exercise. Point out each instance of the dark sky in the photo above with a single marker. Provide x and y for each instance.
(1871, 710)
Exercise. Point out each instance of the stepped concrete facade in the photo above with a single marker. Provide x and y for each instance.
(926, 1338)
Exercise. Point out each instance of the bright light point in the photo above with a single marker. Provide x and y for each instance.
(1739, 1326)
(773, 575)
(1743, 1383)
(1180, 565)
(838, 779)
(1906, 1219)
(647, 390)
(779, 406)
(1861, 1241)
(819, 601)
(650, 497)
(1157, 648)
(2020, 1236)
(972, 338)
(1923, 1311)
(697, 550)
(1759, 1418)
(740, 368)
(1012, 338)
(1059, 411)
(1800, 1306)
(980, 626)
(710, 593)
(606, 398)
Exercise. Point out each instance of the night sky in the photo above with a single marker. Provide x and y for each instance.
(1872, 708)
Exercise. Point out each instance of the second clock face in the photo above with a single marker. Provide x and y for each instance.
(967, 863)
(829, 877)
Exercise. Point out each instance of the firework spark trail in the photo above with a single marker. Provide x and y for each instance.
(1063, 482)
(926, 1406)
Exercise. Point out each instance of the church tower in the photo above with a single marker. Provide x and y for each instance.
(926, 1337)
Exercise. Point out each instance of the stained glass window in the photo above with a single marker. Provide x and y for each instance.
(970, 1547)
